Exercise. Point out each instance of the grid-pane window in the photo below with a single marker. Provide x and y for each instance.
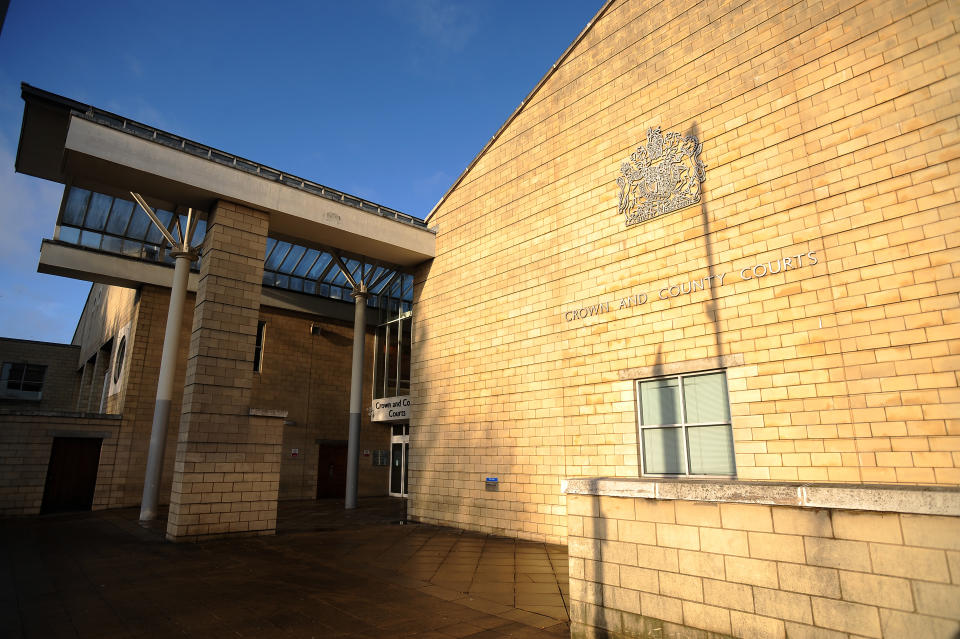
(391, 375)
(21, 381)
(685, 425)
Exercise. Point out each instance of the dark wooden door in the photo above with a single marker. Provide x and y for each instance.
(332, 471)
(71, 474)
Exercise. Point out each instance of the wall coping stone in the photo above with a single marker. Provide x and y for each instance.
(59, 413)
(268, 412)
(923, 500)
(92, 434)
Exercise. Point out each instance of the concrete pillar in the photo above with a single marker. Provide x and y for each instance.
(227, 469)
(168, 369)
(356, 395)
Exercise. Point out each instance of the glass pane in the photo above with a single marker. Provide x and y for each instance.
(91, 240)
(69, 235)
(293, 257)
(705, 398)
(199, 232)
(378, 379)
(132, 248)
(139, 224)
(271, 244)
(150, 252)
(396, 467)
(306, 263)
(338, 277)
(390, 361)
(663, 451)
(382, 284)
(277, 255)
(711, 450)
(153, 235)
(76, 206)
(97, 213)
(119, 216)
(660, 402)
(403, 386)
(318, 267)
(112, 244)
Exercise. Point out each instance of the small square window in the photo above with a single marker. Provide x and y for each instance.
(685, 426)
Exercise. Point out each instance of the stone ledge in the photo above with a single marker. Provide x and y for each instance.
(921, 500)
(6, 412)
(268, 412)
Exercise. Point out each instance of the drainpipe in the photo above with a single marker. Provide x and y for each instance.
(356, 392)
(168, 368)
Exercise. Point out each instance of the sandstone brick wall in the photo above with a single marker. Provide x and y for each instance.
(25, 443)
(308, 376)
(61, 381)
(314, 395)
(665, 568)
(827, 127)
(226, 475)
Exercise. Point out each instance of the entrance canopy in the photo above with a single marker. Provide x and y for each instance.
(101, 157)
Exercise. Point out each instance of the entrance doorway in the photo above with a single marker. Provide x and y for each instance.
(399, 452)
(71, 474)
(332, 470)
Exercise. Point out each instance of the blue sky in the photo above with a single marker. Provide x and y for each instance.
(387, 99)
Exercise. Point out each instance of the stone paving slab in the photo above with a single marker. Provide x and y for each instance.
(327, 573)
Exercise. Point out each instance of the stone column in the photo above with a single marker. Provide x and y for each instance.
(227, 469)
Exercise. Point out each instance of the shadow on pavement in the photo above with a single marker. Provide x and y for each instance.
(327, 573)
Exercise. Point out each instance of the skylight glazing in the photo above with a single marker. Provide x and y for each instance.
(115, 225)
(314, 271)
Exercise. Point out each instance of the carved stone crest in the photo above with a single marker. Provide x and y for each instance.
(661, 177)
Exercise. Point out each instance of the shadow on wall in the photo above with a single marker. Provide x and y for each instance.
(664, 410)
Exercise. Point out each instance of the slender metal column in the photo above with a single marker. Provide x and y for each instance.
(356, 393)
(168, 369)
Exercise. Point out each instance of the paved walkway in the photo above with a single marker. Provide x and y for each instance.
(327, 573)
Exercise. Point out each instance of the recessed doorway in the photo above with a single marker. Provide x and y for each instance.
(331, 470)
(399, 452)
(71, 474)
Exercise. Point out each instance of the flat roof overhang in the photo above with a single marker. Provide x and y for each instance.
(68, 260)
(59, 142)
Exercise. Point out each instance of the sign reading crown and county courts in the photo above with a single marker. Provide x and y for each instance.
(688, 285)
(391, 409)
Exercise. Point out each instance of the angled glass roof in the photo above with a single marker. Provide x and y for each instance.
(115, 225)
(315, 271)
(119, 226)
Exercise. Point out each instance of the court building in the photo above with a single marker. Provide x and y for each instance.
(693, 311)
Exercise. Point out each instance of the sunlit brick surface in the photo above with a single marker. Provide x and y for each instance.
(828, 129)
(756, 570)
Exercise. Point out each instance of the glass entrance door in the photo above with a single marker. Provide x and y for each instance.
(399, 452)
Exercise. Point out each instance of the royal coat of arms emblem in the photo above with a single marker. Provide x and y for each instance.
(661, 177)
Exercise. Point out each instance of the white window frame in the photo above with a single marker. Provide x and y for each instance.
(683, 426)
(11, 393)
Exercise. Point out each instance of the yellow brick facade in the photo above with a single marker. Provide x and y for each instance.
(830, 132)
